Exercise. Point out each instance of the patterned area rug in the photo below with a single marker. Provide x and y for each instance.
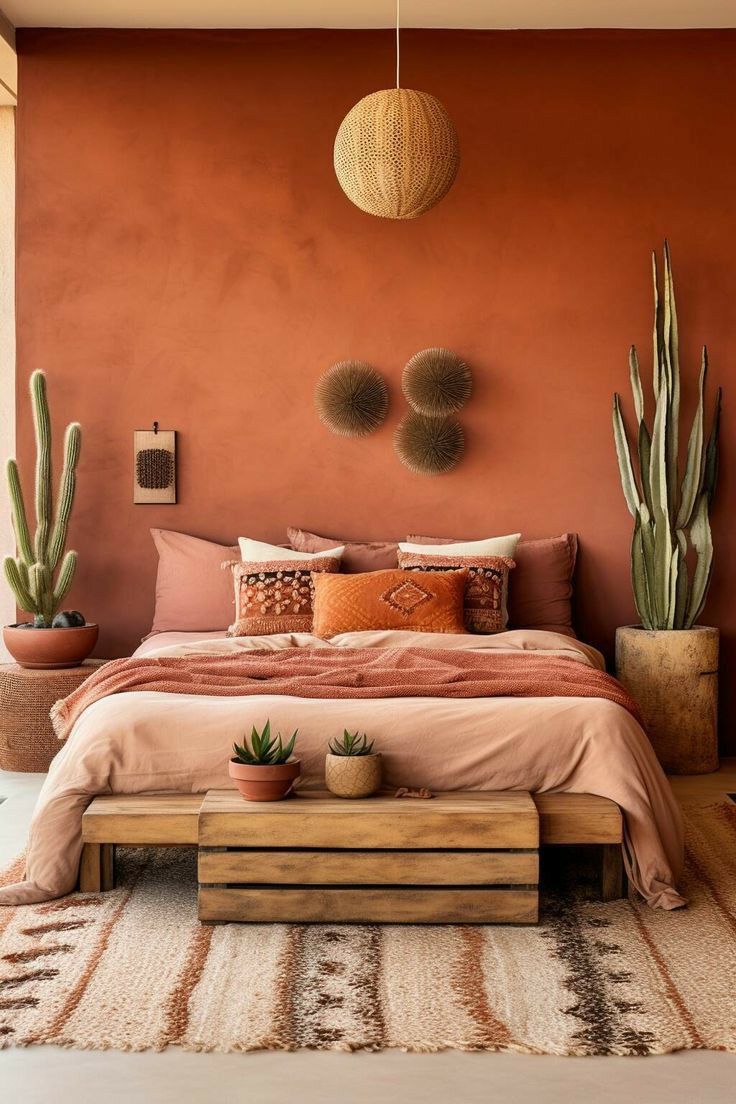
(133, 969)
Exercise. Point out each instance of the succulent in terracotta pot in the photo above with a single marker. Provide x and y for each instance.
(42, 572)
(352, 768)
(264, 770)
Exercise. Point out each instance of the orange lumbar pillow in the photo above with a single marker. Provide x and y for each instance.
(393, 599)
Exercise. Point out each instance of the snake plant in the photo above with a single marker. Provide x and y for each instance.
(265, 750)
(671, 525)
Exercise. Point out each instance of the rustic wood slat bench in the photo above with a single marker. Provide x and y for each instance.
(459, 858)
(168, 820)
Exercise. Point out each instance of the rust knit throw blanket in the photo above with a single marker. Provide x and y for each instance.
(347, 673)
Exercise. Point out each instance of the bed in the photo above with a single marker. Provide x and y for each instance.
(146, 742)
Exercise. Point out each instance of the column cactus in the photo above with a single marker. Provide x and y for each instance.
(671, 526)
(42, 573)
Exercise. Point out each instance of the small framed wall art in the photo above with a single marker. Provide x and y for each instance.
(154, 466)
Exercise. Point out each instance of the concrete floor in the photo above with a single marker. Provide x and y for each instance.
(49, 1075)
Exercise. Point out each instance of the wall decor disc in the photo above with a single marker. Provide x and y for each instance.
(351, 398)
(436, 382)
(429, 446)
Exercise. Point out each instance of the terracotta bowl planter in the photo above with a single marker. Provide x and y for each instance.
(49, 649)
(353, 775)
(265, 783)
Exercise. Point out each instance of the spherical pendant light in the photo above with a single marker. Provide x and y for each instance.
(396, 153)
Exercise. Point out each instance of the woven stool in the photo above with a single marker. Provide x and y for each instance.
(27, 740)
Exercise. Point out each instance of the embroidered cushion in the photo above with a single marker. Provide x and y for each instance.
(276, 596)
(391, 599)
(358, 555)
(540, 593)
(485, 591)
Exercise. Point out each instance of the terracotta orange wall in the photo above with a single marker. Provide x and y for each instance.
(185, 254)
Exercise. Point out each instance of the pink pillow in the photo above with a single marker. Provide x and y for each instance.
(358, 556)
(540, 588)
(193, 593)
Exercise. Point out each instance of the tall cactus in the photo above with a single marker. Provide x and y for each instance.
(670, 516)
(33, 577)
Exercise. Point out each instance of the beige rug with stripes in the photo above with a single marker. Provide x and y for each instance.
(133, 969)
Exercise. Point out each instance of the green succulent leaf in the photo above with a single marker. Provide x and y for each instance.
(695, 463)
(623, 452)
(352, 744)
(702, 542)
(264, 748)
(710, 475)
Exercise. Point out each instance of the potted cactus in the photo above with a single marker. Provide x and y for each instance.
(352, 768)
(668, 661)
(264, 769)
(42, 573)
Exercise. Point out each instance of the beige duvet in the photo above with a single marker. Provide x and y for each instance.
(150, 742)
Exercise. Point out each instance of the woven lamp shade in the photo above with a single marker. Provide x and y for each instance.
(396, 153)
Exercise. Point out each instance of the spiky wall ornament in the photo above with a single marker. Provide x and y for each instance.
(351, 398)
(436, 382)
(429, 446)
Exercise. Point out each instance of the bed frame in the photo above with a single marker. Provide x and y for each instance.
(168, 820)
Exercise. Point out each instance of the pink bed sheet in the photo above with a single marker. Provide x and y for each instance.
(146, 742)
(157, 641)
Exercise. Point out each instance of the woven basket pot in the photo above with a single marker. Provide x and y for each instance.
(353, 775)
(673, 676)
(396, 153)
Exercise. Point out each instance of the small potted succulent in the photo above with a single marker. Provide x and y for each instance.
(352, 767)
(264, 770)
(42, 572)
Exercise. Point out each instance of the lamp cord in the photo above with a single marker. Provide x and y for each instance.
(398, 54)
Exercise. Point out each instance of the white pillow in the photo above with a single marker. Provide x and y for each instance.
(492, 546)
(259, 552)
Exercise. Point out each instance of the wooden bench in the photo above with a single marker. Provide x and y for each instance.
(168, 820)
(460, 858)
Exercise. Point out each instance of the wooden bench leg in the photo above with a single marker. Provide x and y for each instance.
(97, 867)
(613, 878)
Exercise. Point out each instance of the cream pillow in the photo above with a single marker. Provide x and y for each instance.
(253, 551)
(492, 546)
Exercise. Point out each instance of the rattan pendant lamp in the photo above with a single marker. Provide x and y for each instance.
(396, 152)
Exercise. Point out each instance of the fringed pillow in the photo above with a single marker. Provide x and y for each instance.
(486, 590)
(275, 596)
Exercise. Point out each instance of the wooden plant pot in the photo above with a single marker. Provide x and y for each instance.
(265, 783)
(353, 775)
(50, 649)
(673, 676)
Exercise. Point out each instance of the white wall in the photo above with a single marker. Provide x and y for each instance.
(7, 342)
